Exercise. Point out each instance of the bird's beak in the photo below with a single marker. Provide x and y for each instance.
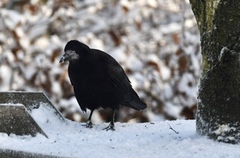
(63, 58)
(69, 55)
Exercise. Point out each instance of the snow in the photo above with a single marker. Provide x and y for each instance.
(10, 104)
(223, 128)
(154, 139)
(12, 18)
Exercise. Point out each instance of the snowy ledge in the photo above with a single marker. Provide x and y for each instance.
(71, 139)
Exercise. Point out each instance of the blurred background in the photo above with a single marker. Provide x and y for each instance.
(155, 41)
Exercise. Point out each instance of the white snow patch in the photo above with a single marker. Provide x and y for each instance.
(134, 63)
(11, 18)
(119, 54)
(45, 117)
(11, 104)
(4, 69)
(170, 28)
(223, 50)
(185, 85)
(128, 140)
(172, 110)
(223, 129)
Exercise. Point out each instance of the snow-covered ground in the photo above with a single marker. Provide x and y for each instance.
(155, 139)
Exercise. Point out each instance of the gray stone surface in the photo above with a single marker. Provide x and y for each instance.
(15, 119)
(6, 153)
(31, 100)
(16, 109)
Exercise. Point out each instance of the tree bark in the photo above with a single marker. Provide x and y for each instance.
(218, 114)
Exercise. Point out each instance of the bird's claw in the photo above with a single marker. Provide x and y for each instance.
(88, 124)
(109, 127)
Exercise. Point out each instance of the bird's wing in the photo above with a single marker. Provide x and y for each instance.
(119, 78)
(115, 73)
(121, 81)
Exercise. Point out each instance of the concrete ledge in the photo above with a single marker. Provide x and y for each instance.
(18, 111)
(31, 100)
(7, 153)
(15, 119)
(16, 108)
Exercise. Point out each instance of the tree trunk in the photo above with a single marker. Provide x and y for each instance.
(218, 114)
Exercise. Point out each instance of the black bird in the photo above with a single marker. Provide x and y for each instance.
(98, 80)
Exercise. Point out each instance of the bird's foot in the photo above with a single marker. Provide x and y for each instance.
(110, 127)
(88, 124)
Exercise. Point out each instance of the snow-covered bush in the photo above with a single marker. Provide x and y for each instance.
(155, 41)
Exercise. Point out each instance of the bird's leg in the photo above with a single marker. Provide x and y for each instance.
(89, 122)
(111, 124)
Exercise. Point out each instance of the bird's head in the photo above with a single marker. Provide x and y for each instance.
(73, 51)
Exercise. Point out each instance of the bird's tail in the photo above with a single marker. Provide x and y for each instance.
(135, 102)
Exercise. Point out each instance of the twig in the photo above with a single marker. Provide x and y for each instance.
(170, 127)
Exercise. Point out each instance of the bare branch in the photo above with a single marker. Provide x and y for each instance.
(170, 127)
